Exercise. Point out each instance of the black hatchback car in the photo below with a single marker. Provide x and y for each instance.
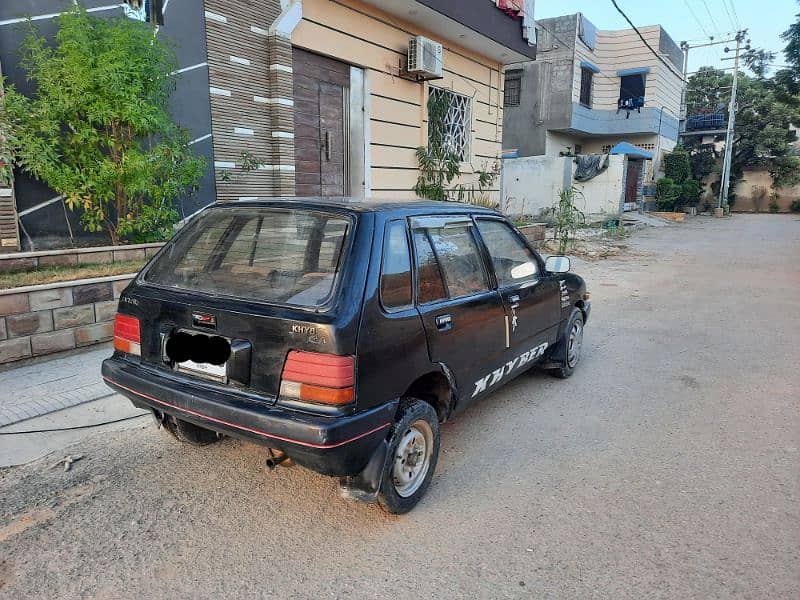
(340, 334)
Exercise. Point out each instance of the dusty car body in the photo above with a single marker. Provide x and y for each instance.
(340, 333)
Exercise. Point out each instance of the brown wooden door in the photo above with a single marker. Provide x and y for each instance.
(632, 180)
(321, 125)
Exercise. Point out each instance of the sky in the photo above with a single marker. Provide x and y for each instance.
(689, 20)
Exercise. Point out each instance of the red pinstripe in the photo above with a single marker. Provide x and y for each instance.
(249, 429)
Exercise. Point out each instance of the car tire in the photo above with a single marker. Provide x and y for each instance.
(414, 437)
(189, 433)
(570, 346)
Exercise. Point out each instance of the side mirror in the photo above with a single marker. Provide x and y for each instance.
(557, 264)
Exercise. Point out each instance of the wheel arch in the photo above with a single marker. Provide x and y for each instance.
(437, 388)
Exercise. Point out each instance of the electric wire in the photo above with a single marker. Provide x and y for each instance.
(76, 427)
(710, 16)
(645, 42)
(735, 14)
(730, 17)
(694, 15)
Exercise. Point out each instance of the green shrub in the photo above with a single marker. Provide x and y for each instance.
(690, 191)
(667, 193)
(678, 166)
(773, 206)
(795, 206)
(98, 130)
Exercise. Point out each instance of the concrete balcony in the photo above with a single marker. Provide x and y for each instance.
(596, 122)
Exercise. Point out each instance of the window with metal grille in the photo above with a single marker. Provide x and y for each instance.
(586, 87)
(513, 88)
(457, 123)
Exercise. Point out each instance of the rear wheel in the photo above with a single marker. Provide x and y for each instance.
(189, 433)
(573, 344)
(412, 456)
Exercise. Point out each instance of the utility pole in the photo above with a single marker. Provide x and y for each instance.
(726, 163)
(682, 118)
(685, 47)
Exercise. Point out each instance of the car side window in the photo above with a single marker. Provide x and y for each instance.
(396, 268)
(429, 277)
(513, 261)
(459, 259)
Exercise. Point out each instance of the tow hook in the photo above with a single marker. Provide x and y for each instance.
(276, 458)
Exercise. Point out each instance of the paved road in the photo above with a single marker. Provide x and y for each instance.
(667, 467)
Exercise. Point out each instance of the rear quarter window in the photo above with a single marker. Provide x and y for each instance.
(284, 256)
(396, 268)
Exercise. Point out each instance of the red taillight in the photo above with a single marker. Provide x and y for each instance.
(127, 335)
(316, 377)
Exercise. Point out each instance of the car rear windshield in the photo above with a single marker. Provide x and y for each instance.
(283, 256)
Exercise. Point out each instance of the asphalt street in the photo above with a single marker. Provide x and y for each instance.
(667, 467)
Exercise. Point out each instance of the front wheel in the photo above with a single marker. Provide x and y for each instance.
(411, 459)
(573, 344)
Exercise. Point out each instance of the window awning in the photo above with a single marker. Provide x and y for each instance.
(585, 64)
(631, 150)
(634, 71)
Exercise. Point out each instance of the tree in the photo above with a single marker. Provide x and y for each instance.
(788, 79)
(97, 128)
(762, 138)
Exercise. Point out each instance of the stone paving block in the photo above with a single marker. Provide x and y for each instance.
(92, 334)
(106, 256)
(54, 298)
(3, 333)
(119, 286)
(94, 292)
(29, 323)
(14, 303)
(15, 349)
(72, 316)
(130, 254)
(17, 264)
(105, 311)
(56, 341)
(58, 259)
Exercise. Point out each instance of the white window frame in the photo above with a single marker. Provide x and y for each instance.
(466, 115)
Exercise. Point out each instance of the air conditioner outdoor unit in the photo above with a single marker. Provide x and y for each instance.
(424, 57)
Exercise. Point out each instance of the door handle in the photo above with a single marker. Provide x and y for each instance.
(444, 322)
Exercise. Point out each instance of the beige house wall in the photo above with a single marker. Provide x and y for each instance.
(747, 193)
(619, 50)
(359, 34)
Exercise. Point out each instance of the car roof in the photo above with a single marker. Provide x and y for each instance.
(364, 205)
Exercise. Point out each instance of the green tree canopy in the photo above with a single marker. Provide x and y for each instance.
(98, 130)
(763, 136)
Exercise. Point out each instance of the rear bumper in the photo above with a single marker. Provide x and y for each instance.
(337, 446)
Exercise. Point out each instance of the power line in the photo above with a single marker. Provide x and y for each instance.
(735, 15)
(694, 15)
(645, 42)
(730, 18)
(710, 16)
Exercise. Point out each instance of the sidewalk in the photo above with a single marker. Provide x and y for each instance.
(58, 393)
(41, 388)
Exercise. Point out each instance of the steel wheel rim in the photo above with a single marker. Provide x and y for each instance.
(575, 343)
(412, 458)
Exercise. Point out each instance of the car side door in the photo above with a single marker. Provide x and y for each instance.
(531, 296)
(463, 316)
